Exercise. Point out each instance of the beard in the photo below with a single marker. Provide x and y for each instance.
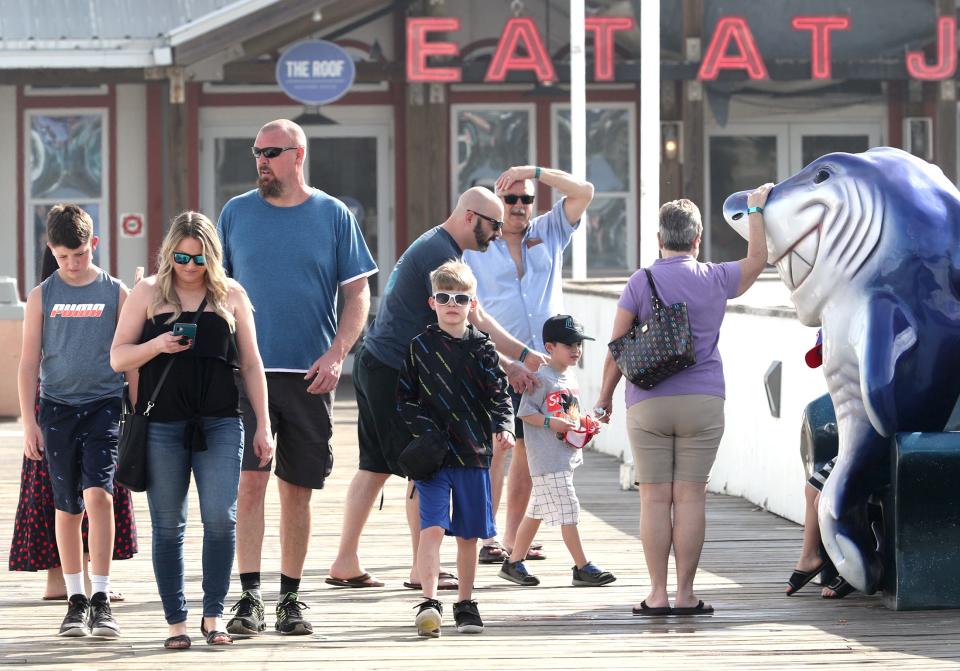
(483, 241)
(270, 186)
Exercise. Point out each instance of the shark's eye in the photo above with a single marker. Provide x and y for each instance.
(821, 176)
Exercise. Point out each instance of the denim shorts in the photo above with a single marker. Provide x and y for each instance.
(80, 444)
(472, 502)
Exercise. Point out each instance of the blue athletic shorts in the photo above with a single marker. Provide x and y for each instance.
(472, 502)
(80, 444)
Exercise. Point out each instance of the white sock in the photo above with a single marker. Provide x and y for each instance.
(74, 582)
(100, 583)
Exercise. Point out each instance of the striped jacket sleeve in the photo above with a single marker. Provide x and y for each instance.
(497, 399)
(411, 391)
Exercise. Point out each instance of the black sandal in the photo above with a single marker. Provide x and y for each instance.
(215, 636)
(840, 587)
(799, 579)
(178, 642)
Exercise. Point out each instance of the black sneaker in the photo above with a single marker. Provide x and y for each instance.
(515, 571)
(467, 617)
(101, 617)
(249, 619)
(591, 576)
(289, 618)
(75, 623)
(429, 618)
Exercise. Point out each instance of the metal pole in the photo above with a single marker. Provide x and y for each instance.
(578, 124)
(649, 130)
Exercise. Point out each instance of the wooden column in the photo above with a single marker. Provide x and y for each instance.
(945, 119)
(692, 106)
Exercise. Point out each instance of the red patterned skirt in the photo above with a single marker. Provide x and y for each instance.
(34, 546)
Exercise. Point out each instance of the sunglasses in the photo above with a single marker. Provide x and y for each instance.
(269, 152)
(182, 259)
(442, 298)
(496, 223)
(512, 198)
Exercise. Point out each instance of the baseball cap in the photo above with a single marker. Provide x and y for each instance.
(565, 329)
(814, 357)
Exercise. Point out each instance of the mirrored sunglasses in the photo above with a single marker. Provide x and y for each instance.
(512, 198)
(269, 152)
(182, 259)
(442, 298)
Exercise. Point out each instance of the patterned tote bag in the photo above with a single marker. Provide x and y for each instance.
(651, 352)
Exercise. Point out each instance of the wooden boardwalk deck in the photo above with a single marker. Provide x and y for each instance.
(748, 555)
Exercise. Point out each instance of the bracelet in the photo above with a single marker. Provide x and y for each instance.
(546, 421)
(536, 172)
(754, 210)
(523, 354)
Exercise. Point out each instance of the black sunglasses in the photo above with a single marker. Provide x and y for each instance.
(496, 223)
(512, 198)
(442, 298)
(182, 259)
(269, 152)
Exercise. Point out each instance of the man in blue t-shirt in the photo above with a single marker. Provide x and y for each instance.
(404, 312)
(293, 248)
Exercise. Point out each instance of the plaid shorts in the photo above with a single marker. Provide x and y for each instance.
(819, 478)
(554, 499)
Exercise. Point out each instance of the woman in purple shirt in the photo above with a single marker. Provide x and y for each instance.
(675, 428)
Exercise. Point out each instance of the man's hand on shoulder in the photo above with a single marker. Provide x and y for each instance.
(325, 372)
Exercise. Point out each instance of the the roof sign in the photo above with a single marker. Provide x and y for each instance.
(315, 73)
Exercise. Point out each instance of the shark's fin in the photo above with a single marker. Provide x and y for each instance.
(889, 332)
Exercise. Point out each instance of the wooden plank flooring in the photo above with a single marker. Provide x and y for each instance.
(747, 556)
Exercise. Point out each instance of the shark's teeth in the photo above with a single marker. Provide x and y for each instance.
(799, 269)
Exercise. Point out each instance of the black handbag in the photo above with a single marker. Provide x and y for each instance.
(423, 457)
(661, 346)
(132, 447)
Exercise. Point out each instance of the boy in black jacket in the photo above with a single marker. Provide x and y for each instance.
(451, 384)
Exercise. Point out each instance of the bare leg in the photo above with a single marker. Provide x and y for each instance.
(496, 477)
(55, 586)
(294, 527)
(466, 566)
(656, 536)
(253, 489)
(428, 560)
(519, 487)
(361, 497)
(689, 523)
(99, 505)
(571, 538)
(809, 553)
(69, 541)
(525, 535)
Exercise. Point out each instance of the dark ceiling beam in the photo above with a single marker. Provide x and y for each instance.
(84, 77)
(282, 13)
(267, 42)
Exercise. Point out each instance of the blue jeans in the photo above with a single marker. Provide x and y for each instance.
(217, 470)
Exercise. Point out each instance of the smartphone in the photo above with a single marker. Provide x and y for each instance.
(187, 332)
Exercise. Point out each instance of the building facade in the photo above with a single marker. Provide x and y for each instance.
(138, 113)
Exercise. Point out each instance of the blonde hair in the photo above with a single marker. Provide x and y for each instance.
(453, 276)
(197, 226)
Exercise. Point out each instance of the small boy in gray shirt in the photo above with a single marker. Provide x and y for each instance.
(555, 428)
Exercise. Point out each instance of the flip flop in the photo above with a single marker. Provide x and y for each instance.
(180, 642)
(644, 609)
(699, 609)
(444, 575)
(216, 637)
(494, 553)
(365, 580)
(799, 579)
(840, 587)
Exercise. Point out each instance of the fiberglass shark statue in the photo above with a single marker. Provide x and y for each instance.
(869, 246)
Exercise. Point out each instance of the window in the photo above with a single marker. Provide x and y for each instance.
(610, 220)
(486, 141)
(67, 164)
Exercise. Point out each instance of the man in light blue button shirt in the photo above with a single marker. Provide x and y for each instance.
(519, 283)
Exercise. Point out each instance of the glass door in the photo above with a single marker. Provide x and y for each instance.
(808, 142)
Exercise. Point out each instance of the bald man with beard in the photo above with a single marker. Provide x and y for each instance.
(403, 313)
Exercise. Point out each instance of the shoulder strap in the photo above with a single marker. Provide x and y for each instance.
(166, 369)
(653, 290)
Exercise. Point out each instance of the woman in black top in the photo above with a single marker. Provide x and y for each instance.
(195, 422)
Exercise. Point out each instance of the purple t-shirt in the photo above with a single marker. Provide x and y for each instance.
(705, 288)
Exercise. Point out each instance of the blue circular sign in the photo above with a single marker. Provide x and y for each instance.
(316, 72)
